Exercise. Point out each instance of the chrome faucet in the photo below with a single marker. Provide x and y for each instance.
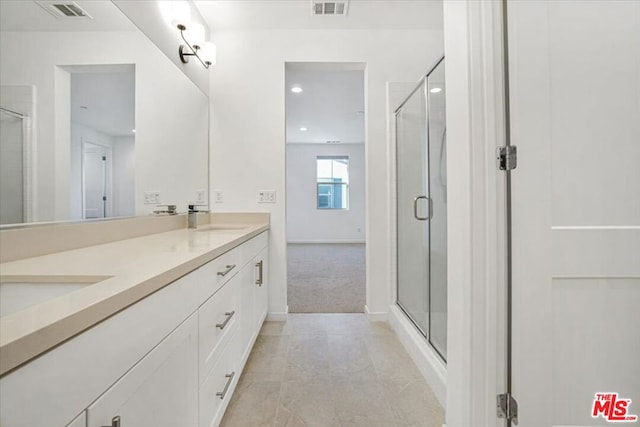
(171, 210)
(193, 215)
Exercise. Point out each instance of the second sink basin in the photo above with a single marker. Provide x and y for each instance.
(20, 292)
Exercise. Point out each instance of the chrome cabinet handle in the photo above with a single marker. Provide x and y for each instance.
(223, 393)
(259, 280)
(115, 422)
(415, 208)
(228, 269)
(229, 315)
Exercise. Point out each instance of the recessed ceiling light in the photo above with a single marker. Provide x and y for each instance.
(133, 130)
(296, 89)
(303, 129)
(436, 90)
(84, 107)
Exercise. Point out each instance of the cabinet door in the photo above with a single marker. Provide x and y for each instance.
(247, 297)
(261, 275)
(160, 390)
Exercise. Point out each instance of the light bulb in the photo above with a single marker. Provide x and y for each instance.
(296, 89)
(180, 14)
(208, 53)
(195, 34)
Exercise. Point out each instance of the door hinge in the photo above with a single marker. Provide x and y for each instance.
(507, 157)
(104, 158)
(507, 408)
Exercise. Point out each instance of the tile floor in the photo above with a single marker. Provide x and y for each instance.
(331, 370)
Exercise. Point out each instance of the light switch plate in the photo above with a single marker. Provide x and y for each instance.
(201, 197)
(151, 197)
(218, 196)
(266, 196)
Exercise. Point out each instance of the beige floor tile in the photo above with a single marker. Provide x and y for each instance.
(306, 403)
(349, 356)
(347, 324)
(413, 403)
(361, 403)
(254, 404)
(307, 324)
(308, 358)
(269, 355)
(275, 328)
(391, 359)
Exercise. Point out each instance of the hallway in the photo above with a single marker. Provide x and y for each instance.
(331, 370)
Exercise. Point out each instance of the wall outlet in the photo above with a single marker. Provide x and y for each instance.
(217, 196)
(266, 196)
(151, 197)
(201, 197)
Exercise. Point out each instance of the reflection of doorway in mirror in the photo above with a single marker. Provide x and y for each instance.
(96, 181)
(102, 124)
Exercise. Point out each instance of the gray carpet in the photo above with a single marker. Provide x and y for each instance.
(326, 278)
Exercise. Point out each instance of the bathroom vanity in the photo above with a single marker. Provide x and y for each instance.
(160, 339)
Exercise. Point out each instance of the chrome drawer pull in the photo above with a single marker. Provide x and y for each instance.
(223, 393)
(259, 280)
(229, 315)
(115, 422)
(229, 268)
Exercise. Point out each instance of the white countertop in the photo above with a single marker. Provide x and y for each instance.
(136, 268)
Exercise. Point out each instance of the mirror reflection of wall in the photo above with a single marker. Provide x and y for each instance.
(170, 116)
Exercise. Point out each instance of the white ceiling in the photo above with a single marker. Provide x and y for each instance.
(330, 106)
(108, 96)
(26, 15)
(296, 14)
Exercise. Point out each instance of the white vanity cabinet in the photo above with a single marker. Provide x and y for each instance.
(171, 359)
(160, 390)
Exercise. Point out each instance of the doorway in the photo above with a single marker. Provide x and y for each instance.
(96, 181)
(325, 180)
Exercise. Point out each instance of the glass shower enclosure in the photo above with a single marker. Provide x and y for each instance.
(422, 208)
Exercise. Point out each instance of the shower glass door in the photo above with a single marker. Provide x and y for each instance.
(421, 208)
(413, 208)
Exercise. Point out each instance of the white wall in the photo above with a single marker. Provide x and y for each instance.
(171, 113)
(305, 222)
(124, 160)
(248, 129)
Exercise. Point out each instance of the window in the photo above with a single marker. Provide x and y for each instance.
(333, 182)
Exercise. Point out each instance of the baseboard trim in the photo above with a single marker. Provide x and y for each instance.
(278, 316)
(322, 242)
(431, 366)
(376, 316)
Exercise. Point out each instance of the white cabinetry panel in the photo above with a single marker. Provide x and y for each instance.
(160, 390)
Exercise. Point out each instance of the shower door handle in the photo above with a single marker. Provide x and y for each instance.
(415, 208)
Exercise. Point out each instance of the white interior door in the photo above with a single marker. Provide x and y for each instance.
(575, 111)
(95, 161)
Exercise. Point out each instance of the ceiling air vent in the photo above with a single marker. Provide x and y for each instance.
(329, 7)
(333, 142)
(64, 9)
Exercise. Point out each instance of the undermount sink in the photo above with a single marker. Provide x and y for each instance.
(19, 292)
(219, 227)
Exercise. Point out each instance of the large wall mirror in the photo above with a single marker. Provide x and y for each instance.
(95, 121)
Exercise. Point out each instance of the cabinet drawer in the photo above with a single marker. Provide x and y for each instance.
(253, 246)
(216, 391)
(217, 320)
(219, 271)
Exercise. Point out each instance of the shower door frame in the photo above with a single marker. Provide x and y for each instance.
(422, 84)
